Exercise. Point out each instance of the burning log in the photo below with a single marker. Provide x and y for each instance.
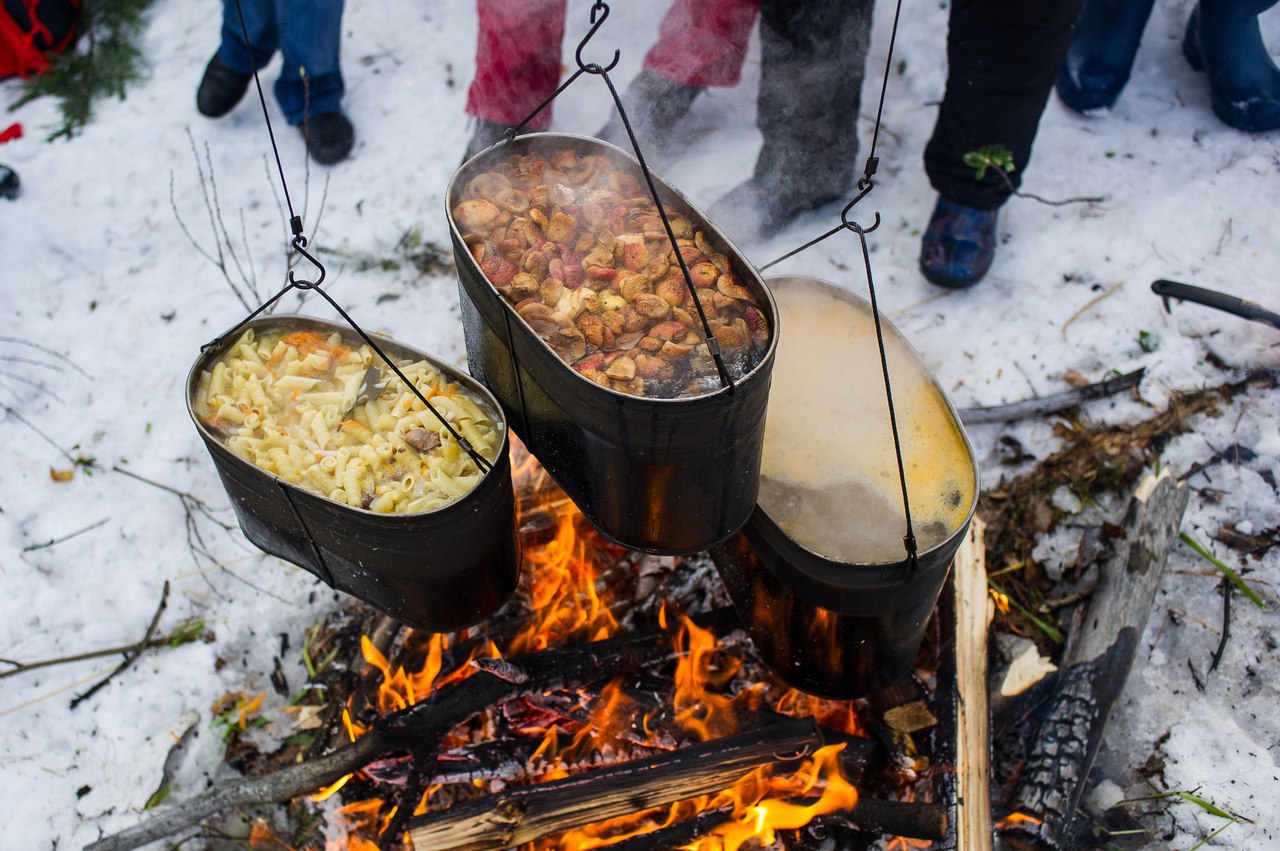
(421, 727)
(1095, 665)
(522, 815)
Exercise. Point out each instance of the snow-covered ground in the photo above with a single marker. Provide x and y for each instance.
(94, 266)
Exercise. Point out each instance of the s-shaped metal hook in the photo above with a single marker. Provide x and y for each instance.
(594, 68)
(300, 246)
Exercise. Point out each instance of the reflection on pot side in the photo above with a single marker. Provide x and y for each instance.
(829, 476)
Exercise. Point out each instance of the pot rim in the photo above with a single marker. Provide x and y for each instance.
(749, 271)
(389, 345)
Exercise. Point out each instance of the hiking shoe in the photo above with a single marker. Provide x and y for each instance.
(220, 89)
(9, 183)
(329, 137)
(959, 245)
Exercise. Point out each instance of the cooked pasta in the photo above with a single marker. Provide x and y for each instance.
(290, 404)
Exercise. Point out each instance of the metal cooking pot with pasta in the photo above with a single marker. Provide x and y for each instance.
(356, 480)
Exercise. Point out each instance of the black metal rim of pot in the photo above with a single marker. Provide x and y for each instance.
(440, 570)
(667, 476)
(852, 587)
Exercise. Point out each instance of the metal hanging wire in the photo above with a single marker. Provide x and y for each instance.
(299, 245)
(599, 13)
(865, 184)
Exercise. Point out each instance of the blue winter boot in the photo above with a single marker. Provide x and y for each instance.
(959, 245)
(1223, 40)
(1101, 53)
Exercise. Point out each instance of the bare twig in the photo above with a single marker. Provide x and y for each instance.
(221, 238)
(47, 351)
(1226, 624)
(47, 439)
(1050, 404)
(1090, 303)
(130, 655)
(1031, 196)
(194, 507)
(53, 541)
(180, 636)
(37, 385)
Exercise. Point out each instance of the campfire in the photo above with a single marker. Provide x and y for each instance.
(630, 713)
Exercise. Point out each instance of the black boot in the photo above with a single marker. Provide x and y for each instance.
(1223, 39)
(655, 106)
(9, 183)
(220, 88)
(329, 137)
(1101, 55)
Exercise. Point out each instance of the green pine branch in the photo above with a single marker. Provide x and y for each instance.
(103, 62)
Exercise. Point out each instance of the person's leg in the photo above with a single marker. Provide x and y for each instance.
(1224, 40)
(813, 60)
(227, 76)
(1101, 54)
(310, 82)
(264, 36)
(701, 43)
(1003, 57)
(517, 66)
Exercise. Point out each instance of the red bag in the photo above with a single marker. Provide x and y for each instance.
(31, 29)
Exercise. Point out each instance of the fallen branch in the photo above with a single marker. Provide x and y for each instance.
(130, 655)
(421, 727)
(1054, 403)
(55, 541)
(179, 636)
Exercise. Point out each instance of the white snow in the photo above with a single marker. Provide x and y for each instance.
(94, 265)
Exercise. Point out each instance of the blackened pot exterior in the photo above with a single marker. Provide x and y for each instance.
(838, 639)
(670, 476)
(438, 571)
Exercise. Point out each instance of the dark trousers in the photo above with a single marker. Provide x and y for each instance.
(813, 54)
(1003, 57)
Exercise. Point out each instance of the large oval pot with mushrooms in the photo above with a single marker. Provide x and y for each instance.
(579, 316)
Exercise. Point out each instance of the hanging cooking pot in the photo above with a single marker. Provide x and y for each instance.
(440, 569)
(819, 574)
(664, 475)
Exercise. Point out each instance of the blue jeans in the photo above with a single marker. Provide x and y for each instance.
(306, 32)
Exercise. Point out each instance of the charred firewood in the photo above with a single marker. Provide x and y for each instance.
(420, 728)
(525, 814)
(1096, 663)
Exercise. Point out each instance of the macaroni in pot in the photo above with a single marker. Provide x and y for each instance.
(290, 404)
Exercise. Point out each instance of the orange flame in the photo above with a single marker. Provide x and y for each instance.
(564, 595)
(902, 843)
(1015, 819)
(704, 713)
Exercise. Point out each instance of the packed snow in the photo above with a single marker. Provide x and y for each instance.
(95, 266)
